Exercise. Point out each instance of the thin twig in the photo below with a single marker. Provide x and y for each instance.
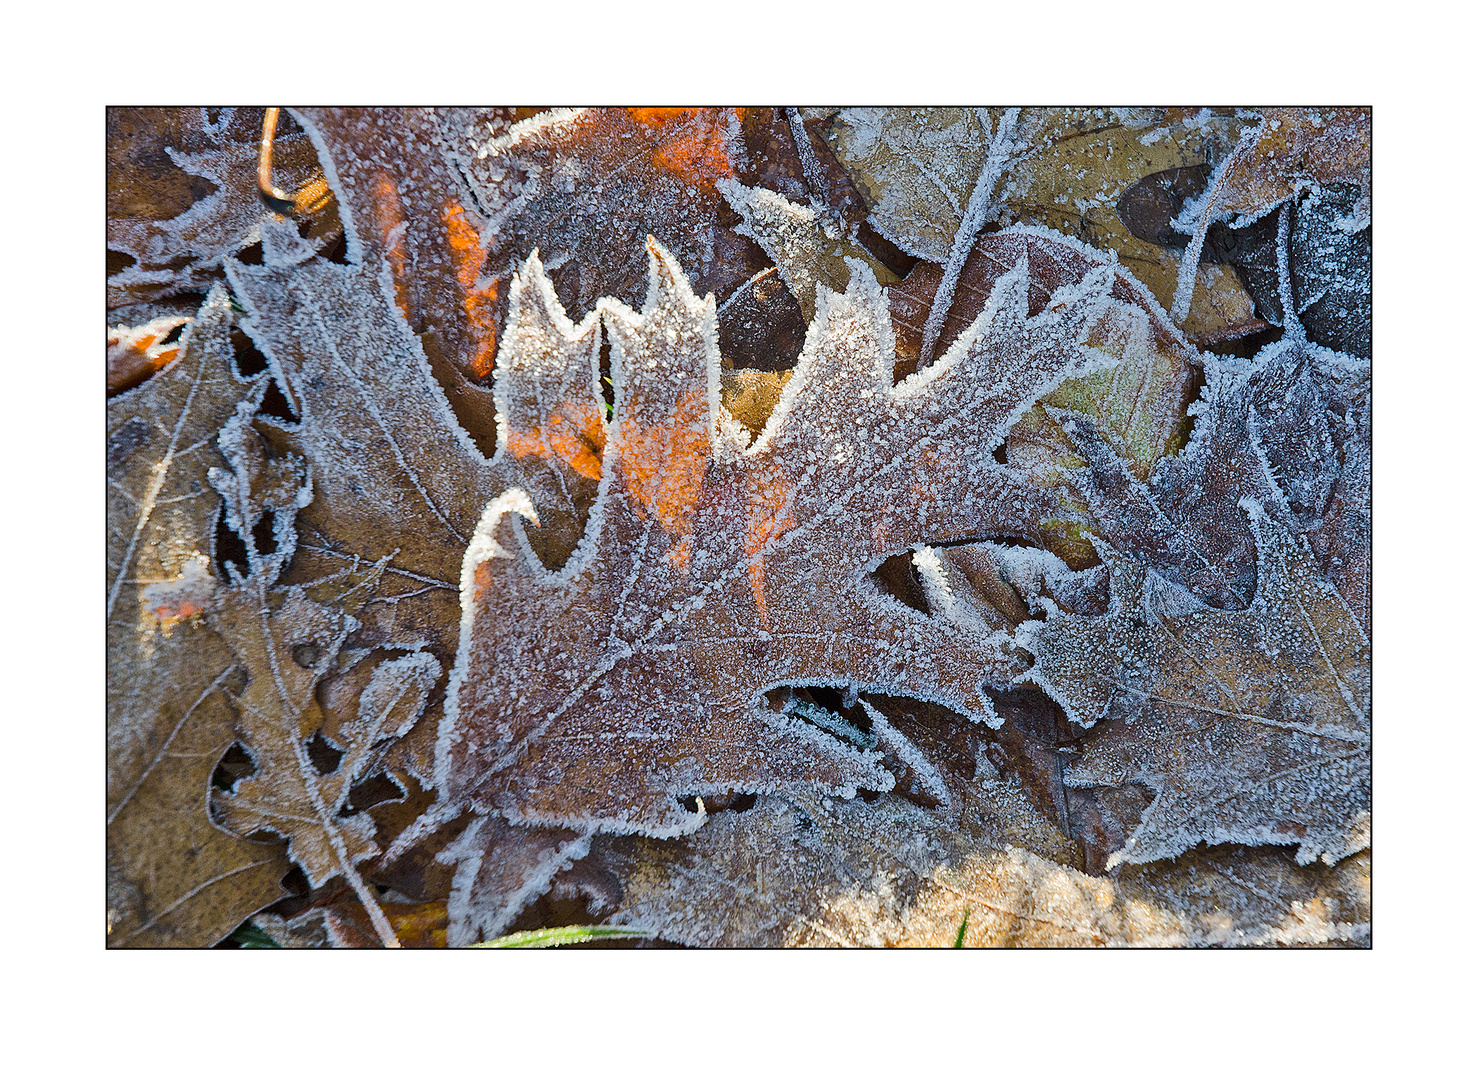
(277, 200)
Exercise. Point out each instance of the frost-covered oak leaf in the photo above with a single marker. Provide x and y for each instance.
(1253, 726)
(601, 693)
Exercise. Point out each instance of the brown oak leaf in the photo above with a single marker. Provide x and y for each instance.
(600, 693)
(174, 876)
(1250, 726)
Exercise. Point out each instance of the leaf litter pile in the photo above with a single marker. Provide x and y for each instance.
(739, 527)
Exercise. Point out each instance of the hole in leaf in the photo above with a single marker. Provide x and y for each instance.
(229, 549)
(897, 577)
(247, 357)
(324, 756)
(236, 765)
(275, 404)
(834, 710)
(372, 791)
(263, 534)
(999, 453)
(743, 802)
(689, 803)
(1247, 346)
(296, 883)
(250, 255)
(885, 251)
(607, 388)
(337, 250)
(118, 261)
(306, 654)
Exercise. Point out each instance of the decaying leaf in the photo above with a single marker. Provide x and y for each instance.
(394, 475)
(1252, 727)
(890, 874)
(712, 569)
(1289, 151)
(809, 250)
(174, 877)
(182, 186)
(917, 168)
(1293, 147)
(415, 212)
(740, 620)
(585, 187)
(135, 353)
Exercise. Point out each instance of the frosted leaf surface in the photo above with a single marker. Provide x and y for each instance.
(415, 211)
(1138, 402)
(712, 570)
(1251, 727)
(173, 876)
(889, 874)
(184, 252)
(1084, 160)
(500, 868)
(587, 186)
(916, 168)
(394, 475)
(808, 249)
(1274, 429)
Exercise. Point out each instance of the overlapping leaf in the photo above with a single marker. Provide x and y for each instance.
(1252, 727)
(174, 877)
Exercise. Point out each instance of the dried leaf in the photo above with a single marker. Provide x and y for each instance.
(413, 210)
(884, 874)
(917, 169)
(809, 250)
(585, 187)
(711, 570)
(1139, 403)
(173, 876)
(761, 325)
(182, 194)
(1262, 431)
(394, 476)
(1291, 148)
(1086, 160)
(135, 353)
(1251, 727)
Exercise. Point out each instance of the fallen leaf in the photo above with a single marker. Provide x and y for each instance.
(1293, 147)
(414, 210)
(880, 875)
(183, 195)
(135, 353)
(1139, 403)
(809, 250)
(917, 168)
(174, 877)
(395, 477)
(1290, 150)
(585, 187)
(736, 561)
(1251, 727)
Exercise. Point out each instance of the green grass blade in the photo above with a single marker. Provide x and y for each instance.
(561, 935)
(960, 935)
